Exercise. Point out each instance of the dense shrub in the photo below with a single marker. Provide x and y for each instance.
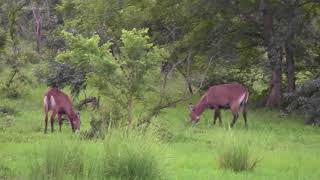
(6, 110)
(102, 120)
(12, 92)
(61, 75)
(306, 99)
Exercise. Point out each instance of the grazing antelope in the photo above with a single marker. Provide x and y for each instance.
(231, 96)
(59, 104)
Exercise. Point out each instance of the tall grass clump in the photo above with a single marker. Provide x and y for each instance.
(60, 159)
(234, 154)
(133, 154)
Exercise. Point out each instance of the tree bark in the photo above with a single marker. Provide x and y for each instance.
(37, 26)
(291, 84)
(189, 80)
(274, 96)
(267, 21)
(275, 57)
(274, 54)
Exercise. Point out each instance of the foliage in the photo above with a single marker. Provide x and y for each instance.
(305, 99)
(3, 39)
(61, 75)
(11, 92)
(137, 58)
(122, 77)
(254, 79)
(231, 33)
(103, 120)
(6, 110)
(104, 46)
(15, 52)
(77, 61)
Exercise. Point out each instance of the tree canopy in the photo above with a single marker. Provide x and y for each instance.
(268, 45)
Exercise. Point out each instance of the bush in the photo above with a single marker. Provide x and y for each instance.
(305, 100)
(134, 155)
(6, 110)
(61, 159)
(235, 155)
(104, 119)
(13, 92)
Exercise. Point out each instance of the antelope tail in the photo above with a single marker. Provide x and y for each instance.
(243, 100)
(247, 97)
(48, 103)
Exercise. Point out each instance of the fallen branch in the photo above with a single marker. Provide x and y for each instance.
(170, 71)
(89, 100)
(10, 81)
(156, 110)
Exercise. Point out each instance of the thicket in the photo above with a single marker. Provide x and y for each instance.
(306, 100)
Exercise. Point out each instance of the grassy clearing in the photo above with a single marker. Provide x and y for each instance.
(287, 148)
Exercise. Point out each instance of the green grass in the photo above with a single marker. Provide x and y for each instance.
(235, 154)
(134, 154)
(287, 148)
(59, 158)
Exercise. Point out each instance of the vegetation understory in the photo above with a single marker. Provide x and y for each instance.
(284, 146)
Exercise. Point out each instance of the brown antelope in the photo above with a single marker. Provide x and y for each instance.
(59, 104)
(231, 96)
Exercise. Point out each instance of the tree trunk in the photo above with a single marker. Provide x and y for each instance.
(188, 78)
(274, 96)
(274, 54)
(190, 87)
(275, 57)
(267, 21)
(37, 26)
(188, 81)
(291, 85)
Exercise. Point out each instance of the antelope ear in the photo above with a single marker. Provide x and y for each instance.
(78, 114)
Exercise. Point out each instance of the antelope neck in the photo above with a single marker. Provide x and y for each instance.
(200, 107)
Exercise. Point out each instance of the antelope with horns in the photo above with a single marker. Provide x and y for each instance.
(231, 96)
(59, 104)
